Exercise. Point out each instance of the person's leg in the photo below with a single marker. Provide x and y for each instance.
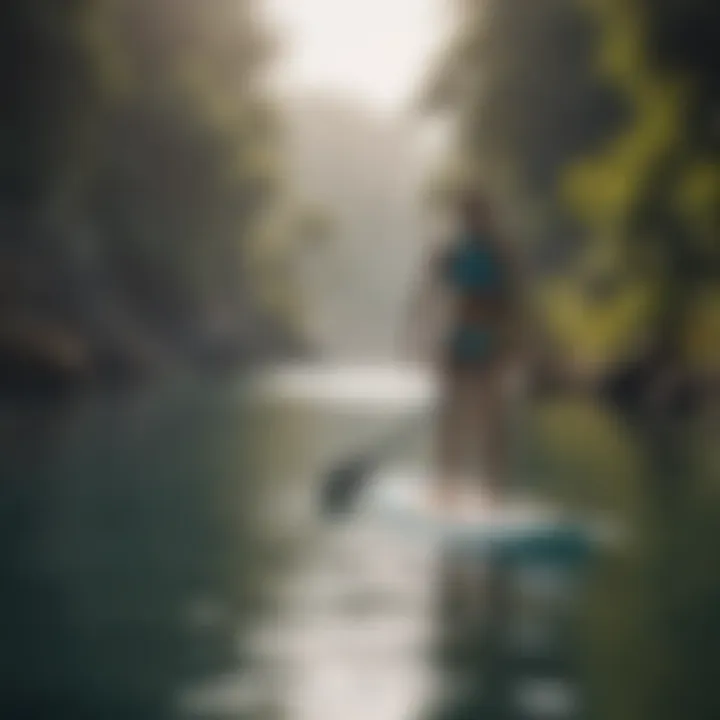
(450, 433)
(491, 424)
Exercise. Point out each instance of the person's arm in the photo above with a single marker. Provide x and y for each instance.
(519, 312)
(423, 306)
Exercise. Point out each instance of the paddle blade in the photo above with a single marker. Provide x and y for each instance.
(343, 486)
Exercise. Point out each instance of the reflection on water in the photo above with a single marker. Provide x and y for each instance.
(380, 386)
(162, 557)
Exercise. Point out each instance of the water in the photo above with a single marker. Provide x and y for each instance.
(162, 557)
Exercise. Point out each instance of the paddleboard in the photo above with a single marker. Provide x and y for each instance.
(521, 529)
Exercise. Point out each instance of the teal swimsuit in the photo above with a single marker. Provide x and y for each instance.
(472, 268)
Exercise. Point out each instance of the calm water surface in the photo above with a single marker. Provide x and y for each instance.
(162, 557)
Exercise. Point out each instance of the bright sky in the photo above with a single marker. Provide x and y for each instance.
(377, 50)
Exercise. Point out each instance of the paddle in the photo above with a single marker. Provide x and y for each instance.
(345, 480)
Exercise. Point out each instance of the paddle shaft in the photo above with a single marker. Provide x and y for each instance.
(347, 479)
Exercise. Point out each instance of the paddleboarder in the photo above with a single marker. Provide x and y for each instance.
(477, 275)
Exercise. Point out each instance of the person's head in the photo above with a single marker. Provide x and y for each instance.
(474, 210)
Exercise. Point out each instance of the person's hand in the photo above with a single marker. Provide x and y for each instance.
(406, 347)
(516, 373)
(517, 378)
(415, 343)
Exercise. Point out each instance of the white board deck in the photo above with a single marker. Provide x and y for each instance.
(522, 527)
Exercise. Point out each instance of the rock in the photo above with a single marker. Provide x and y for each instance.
(39, 356)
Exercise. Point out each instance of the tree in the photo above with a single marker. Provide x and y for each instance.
(597, 123)
(517, 80)
(138, 157)
(653, 188)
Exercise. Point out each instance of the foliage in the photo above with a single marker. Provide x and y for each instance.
(517, 79)
(596, 122)
(654, 188)
(142, 135)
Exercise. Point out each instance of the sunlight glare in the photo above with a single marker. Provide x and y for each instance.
(375, 50)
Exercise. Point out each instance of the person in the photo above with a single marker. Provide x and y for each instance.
(478, 272)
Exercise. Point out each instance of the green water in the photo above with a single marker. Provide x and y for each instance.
(162, 557)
